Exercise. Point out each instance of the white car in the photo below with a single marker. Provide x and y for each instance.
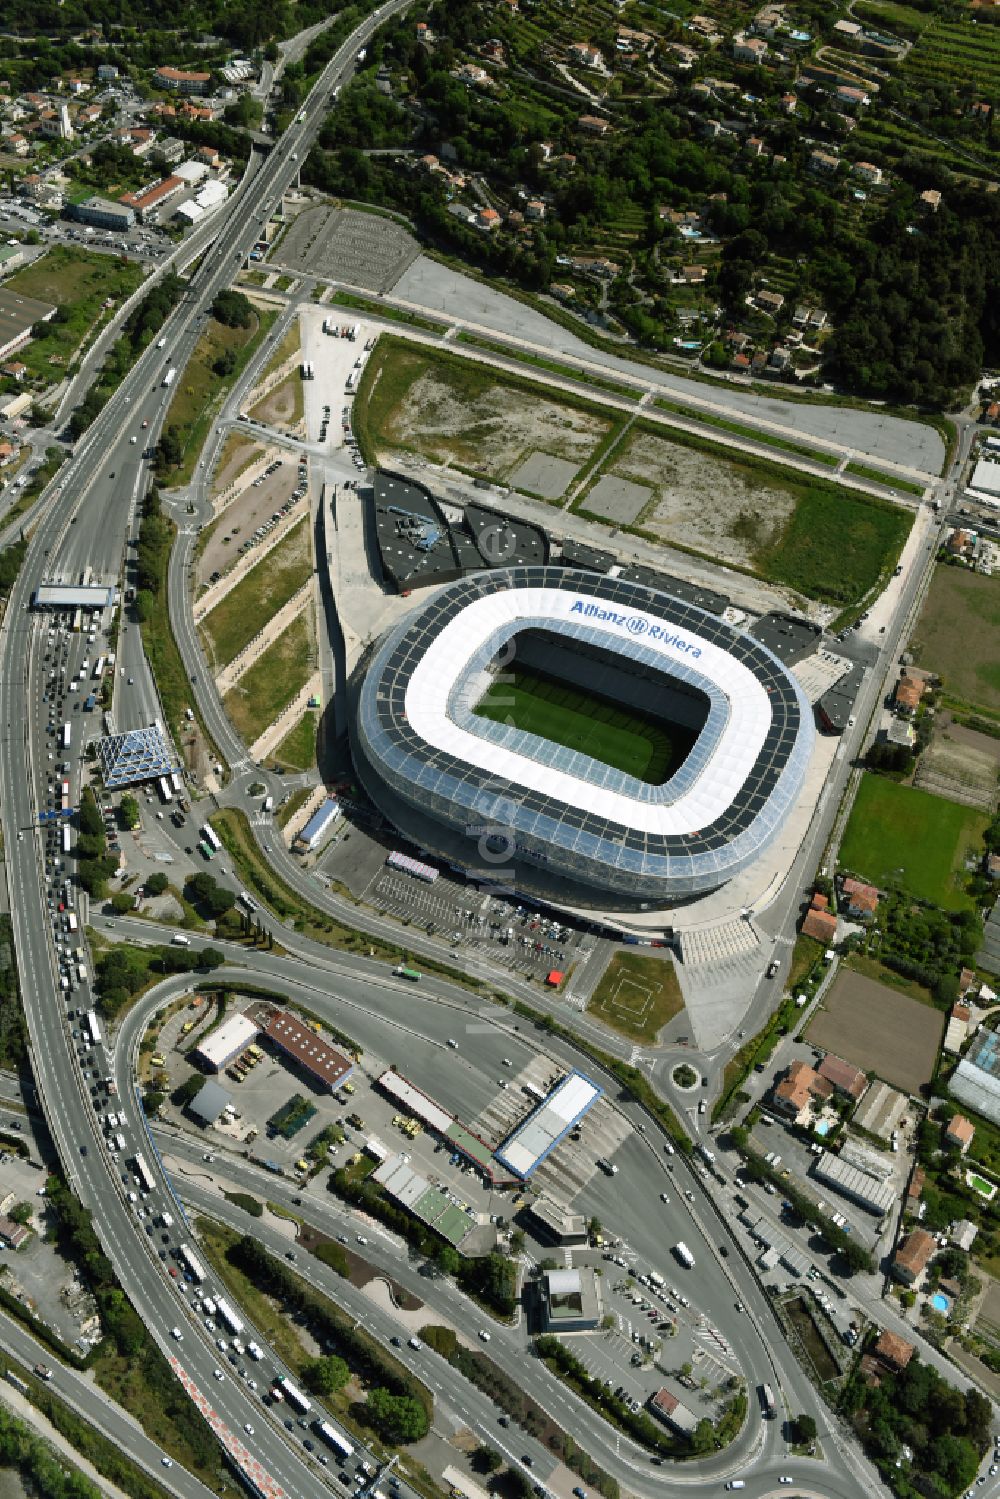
(218, 1374)
(664, 1197)
(176, 1334)
(167, 1462)
(248, 1429)
(484, 1335)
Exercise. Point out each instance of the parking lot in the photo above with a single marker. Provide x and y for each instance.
(274, 492)
(343, 244)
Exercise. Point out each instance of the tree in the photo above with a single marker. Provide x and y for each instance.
(20, 1213)
(210, 957)
(89, 817)
(324, 1376)
(233, 309)
(448, 1259)
(129, 811)
(122, 903)
(486, 1460)
(805, 1429)
(212, 898)
(156, 883)
(188, 1090)
(153, 1101)
(396, 1418)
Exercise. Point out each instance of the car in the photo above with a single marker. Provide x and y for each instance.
(177, 1335)
(664, 1197)
(851, 721)
(166, 1462)
(724, 1251)
(83, 1150)
(248, 1428)
(580, 1493)
(453, 1044)
(484, 1336)
(218, 1374)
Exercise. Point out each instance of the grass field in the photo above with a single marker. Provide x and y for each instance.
(200, 389)
(297, 751)
(558, 712)
(637, 995)
(895, 828)
(879, 1030)
(78, 282)
(957, 633)
(237, 618)
(273, 680)
(836, 545)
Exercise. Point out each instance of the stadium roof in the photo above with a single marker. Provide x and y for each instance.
(524, 1150)
(139, 755)
(68, 596)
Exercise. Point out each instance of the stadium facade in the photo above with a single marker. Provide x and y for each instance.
(502, 803)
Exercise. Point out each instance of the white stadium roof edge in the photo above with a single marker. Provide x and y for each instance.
(434, 681)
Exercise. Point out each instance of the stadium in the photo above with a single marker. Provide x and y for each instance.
(580, 737)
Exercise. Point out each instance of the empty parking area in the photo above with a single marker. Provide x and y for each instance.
(343, 244)
(879, 1030)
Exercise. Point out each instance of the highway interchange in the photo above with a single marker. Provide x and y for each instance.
(85, 524)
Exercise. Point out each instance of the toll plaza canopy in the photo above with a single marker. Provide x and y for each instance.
(524, 1150)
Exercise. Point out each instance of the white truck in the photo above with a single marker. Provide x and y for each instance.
(607, 1166)
(170, 377)
(684, 1254)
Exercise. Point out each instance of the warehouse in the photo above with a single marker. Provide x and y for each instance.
(319, 826)
(880, 1111)
(327, 1066)
(216, 1050)
(869, 1193)
(524, 1150)
(18, 315)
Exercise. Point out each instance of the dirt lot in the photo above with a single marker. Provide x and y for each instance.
(237, 454)
(242, 517)
(282, 406)
(700, 501)
(961, 764)
(880, 1031)
(956, 635)
(471, 419)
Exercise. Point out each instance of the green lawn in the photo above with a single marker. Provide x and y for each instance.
(836, 545)
(273, 680)
(894, 827)
(555, 711)
(78, 283)
(297, 751)
(258, 597)
(637, 995)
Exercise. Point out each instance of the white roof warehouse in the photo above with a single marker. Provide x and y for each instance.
(524, 1150)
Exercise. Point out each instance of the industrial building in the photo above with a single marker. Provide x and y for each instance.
(100, 213)
(570, 828)
(426, 1202)
(880, 1110)
(209, 1103)
(18, 315)
(216, 1050)
(324, 1063)
(673, 1412)
(869, 1192)
(89, 596)
(976, 1079)
(527, 1147)
(320, 826)
(450, 1130)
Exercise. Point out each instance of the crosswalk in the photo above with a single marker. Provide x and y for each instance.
(729, 943)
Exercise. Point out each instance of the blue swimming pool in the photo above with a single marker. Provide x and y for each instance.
(940, 1302)
(823, 1127)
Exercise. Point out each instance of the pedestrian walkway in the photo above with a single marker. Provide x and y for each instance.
(721, 944)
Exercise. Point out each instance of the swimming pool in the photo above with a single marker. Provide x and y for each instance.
(940, 1302)
(823, 1127)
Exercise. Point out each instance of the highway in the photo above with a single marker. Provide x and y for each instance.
(85, 526)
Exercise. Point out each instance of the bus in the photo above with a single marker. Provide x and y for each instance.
(534, 1091)
(206, 850)
(65, 838)
(64, 796)
(142, 1172)
(71, 922)
(211, 837)
(98, 671)
(66, 736)
(767, 1406)
(228, 1317)
(293, 1395)
(176, 782)
(192, 1263)
(93, 1027)
(333, 1439)
(166, 795)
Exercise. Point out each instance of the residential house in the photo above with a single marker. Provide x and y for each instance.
(471, 72)
(534, 210)
(758, 364)
(15, 370)
(868, 172)
(209, 157)
(963, 1234)
(770, 301)
(931, 200)
(740, 363)
(893, 1351)
(915, 1188)
(819, 923)
(991, 866)
(703, 25)
(789, 104)
(77, 86)
(754, 146)
(178, 81)
(779, 360)
(795, 1094)
(909, 690)
(586, 55)
(593, 125)
(488, 219)
(751, 49)
(686, 56)
(106, 73)
(913, 1256)
(693, 275)
(849, 97)
(823, 164)
(152, 198)
(844, 1077)
(960, 1132)
(991, 412)
(18, 144)
(8, 452)
(493, 51)
(861, 900)
(12, 1234)
(628, 40)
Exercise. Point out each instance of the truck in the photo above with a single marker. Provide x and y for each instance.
(43, 1371)
(308, 369)
(768, 1408)
(169, 377)
(683, 1253)
(353, 332)
(352, 382)
(400, 972)
(608, 1167)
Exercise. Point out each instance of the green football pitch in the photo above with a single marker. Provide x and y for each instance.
(615, 736)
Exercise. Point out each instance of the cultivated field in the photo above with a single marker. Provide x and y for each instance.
(637, 995)
(246, 609)
(957, 632)
(558, 712)
(453, 411)
(960, 763)
(822, 541)
(879, 1030)
(900, 833)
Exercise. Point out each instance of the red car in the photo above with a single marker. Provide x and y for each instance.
(172, 1273)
